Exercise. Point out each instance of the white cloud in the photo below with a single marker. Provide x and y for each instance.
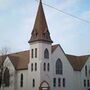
(65, 4)
(5, 3)
(61, 25)
(86, 15)
(66, 22)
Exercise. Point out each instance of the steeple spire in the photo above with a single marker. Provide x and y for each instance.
(40, 30)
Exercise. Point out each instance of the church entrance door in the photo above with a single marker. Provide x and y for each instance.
(44, 86)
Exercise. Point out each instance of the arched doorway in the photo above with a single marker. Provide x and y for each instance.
(44, 86)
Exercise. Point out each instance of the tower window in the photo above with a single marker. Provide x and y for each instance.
(54, 82)
(35, 52)
(35, 66)
(32, 53)
(46, 53)
(31, 66)
(21, 82)
(44, 67)
(36, 34)
(86, 70)
(48, 66)
(33, 83)
(59, 82)
(59, 67)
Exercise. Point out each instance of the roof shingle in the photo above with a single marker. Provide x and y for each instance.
(20, 60)
(40, 30)
(77, 62)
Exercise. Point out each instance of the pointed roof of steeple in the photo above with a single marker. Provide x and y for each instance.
(40, 30)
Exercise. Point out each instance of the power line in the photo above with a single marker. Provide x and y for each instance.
(66, 13)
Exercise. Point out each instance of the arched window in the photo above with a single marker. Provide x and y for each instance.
(44, 66)
(32, 53)
(48, 67)
(54, 82)
(6, 77)
(84, 83)
(31, 66)
(59, 67)
(86, 70)
(0, 78)
(33, 83)
(64, 81)
(35, 66)
(88, 83)
(21, 82)
(35, 52)
(46, 53)
(59, 82)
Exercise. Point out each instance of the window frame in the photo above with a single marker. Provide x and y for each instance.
(86, 70)
(33, 83)
(32, 52)
(21, 80)
(44, 66)
(88, 83)
(35, 52)
(84, 82)
(31, 66)
(59, 82)
(46, 54)
(54, 82)
(6, 77)
(35, 66)
(59, 67)
(48, 67)
(64, 82)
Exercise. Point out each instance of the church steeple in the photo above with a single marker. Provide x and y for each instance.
(40, 30)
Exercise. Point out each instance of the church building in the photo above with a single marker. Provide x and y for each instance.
(44, 66)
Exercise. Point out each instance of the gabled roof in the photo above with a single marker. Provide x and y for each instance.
(14, 60)
(40, 30)
(77, 62)
(20, 60)
(54, 47)
(2, 58)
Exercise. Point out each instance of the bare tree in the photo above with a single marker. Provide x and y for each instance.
(3, 52)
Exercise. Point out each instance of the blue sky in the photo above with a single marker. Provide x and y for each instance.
(17, 19)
